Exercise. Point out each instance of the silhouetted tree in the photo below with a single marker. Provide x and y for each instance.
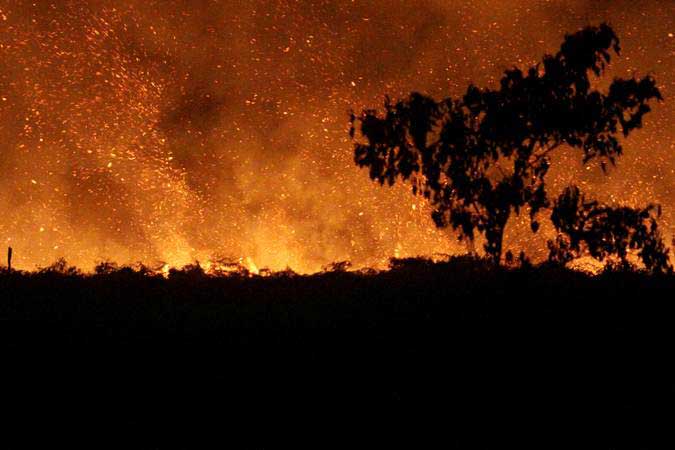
(484, 156)
(589, 227)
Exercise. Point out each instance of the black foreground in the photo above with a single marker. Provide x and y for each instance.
(458, 354)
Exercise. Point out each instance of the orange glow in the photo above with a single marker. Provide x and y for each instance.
(168, 133)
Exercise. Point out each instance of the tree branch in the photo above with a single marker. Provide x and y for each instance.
(543, 154)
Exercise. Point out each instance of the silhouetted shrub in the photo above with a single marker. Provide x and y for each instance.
(601, 231)
(60, 267)
(340, 266)
(106, 268)
(415, 263)
(190, 271)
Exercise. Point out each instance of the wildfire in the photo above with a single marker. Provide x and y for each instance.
(166, 131)
(251, 266)
(243, 266)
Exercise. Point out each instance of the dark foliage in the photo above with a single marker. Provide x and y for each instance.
(484, 156)
(106, 267)
(340, 266)
(61, 267)
(460, 353)
(601, 231)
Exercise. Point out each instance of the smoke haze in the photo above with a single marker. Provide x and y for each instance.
(179, 130)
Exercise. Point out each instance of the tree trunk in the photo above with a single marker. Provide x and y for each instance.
(494, 234)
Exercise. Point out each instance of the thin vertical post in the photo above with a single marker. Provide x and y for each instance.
(9, 259)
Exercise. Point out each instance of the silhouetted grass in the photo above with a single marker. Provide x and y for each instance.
(458, 350)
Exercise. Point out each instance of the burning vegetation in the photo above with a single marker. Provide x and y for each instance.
(165, 133)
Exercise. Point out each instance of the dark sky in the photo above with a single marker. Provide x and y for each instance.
(173, 130)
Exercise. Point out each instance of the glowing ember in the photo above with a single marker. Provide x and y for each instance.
(165, 131)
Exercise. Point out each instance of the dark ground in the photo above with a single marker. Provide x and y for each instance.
(451, 355)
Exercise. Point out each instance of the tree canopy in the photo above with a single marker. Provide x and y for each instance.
(482, 157)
